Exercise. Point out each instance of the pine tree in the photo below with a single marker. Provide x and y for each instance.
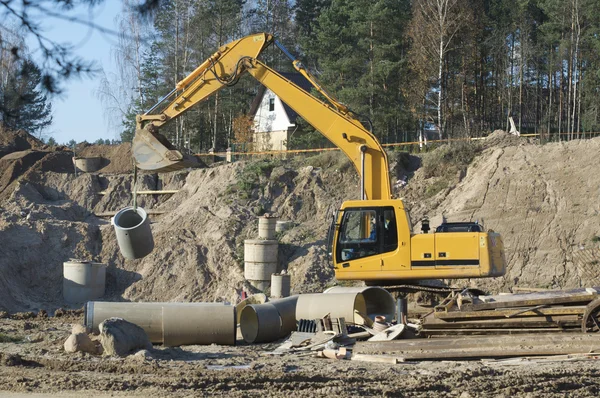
(24, 106)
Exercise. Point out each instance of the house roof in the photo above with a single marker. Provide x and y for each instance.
(295, 78)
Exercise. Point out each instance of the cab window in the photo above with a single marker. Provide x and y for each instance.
(358, 235)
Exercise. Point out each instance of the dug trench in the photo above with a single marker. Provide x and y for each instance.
(541, 198)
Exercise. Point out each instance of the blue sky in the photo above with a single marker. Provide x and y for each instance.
(78, 113)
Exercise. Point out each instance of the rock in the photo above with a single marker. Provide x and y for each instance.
(121, 338)
(80, 342)
(141, 356)
(10, 359)
(36, 337)
(77, 328)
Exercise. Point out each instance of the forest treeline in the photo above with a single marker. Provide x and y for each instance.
(458, 68)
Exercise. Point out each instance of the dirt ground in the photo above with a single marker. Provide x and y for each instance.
(38, 365)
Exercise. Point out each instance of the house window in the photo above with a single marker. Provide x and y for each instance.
(271, 104)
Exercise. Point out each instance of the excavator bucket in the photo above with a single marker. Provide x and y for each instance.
(153, 152)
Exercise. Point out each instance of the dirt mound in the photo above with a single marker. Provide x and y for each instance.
(117, 159)
(543, 200)
(14, 141)
(502, 139)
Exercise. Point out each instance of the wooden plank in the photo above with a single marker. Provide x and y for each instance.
(508, 340)
(495, 332)
(530, 300)
(375, 358)
(431, 322)
(503, 313)
(480, 347)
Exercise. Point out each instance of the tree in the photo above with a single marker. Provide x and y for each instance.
(24, 106)
(432, 29)
(51, 141)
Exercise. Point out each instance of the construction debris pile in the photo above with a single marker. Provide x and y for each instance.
(544, 311)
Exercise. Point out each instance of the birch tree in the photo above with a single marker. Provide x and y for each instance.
(432, 30)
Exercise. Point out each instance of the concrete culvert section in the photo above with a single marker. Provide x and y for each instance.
(134, 235)
(337, 305)
(83, 281)
(171, 324)
(260, 323)
(378, 300)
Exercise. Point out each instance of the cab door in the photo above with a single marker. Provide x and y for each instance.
(359, 241)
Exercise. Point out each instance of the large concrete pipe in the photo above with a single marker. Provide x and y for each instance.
(171, 323)
(260, 261)
(266, 227)
(183, 325)
(287, 312)
(259, 298)
(88, 165)
(280, 285)
(379, 301)
(340, 305)
(83, 281)
(260, 323)
(134, 235)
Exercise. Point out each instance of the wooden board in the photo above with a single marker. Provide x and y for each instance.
(555, 297)
(504, 313)
(484, 346)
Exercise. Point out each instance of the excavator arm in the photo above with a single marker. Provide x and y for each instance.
(332, 119)
(151, 150)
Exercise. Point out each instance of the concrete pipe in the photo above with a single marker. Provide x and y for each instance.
(340, 305)
(207, 324)
(259, 298)
(88, 165)
(280, 285)
(148, 316)
(198, 323)
(260, 323)
(260, 259)
(134, 235)
(379, 301)
(83, 281)
(266, 227)
(287, 312)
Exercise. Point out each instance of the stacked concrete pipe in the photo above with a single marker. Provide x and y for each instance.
(171, 324)
(260, 255)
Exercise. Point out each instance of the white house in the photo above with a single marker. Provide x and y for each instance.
(274, 121)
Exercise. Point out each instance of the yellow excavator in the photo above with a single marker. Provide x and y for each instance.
(371, 238)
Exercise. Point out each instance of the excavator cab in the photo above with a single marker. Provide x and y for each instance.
(372, 241)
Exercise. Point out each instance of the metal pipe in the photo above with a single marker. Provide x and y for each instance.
(170, 323)
(378, 300)
(339, 305)
(161, 101)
